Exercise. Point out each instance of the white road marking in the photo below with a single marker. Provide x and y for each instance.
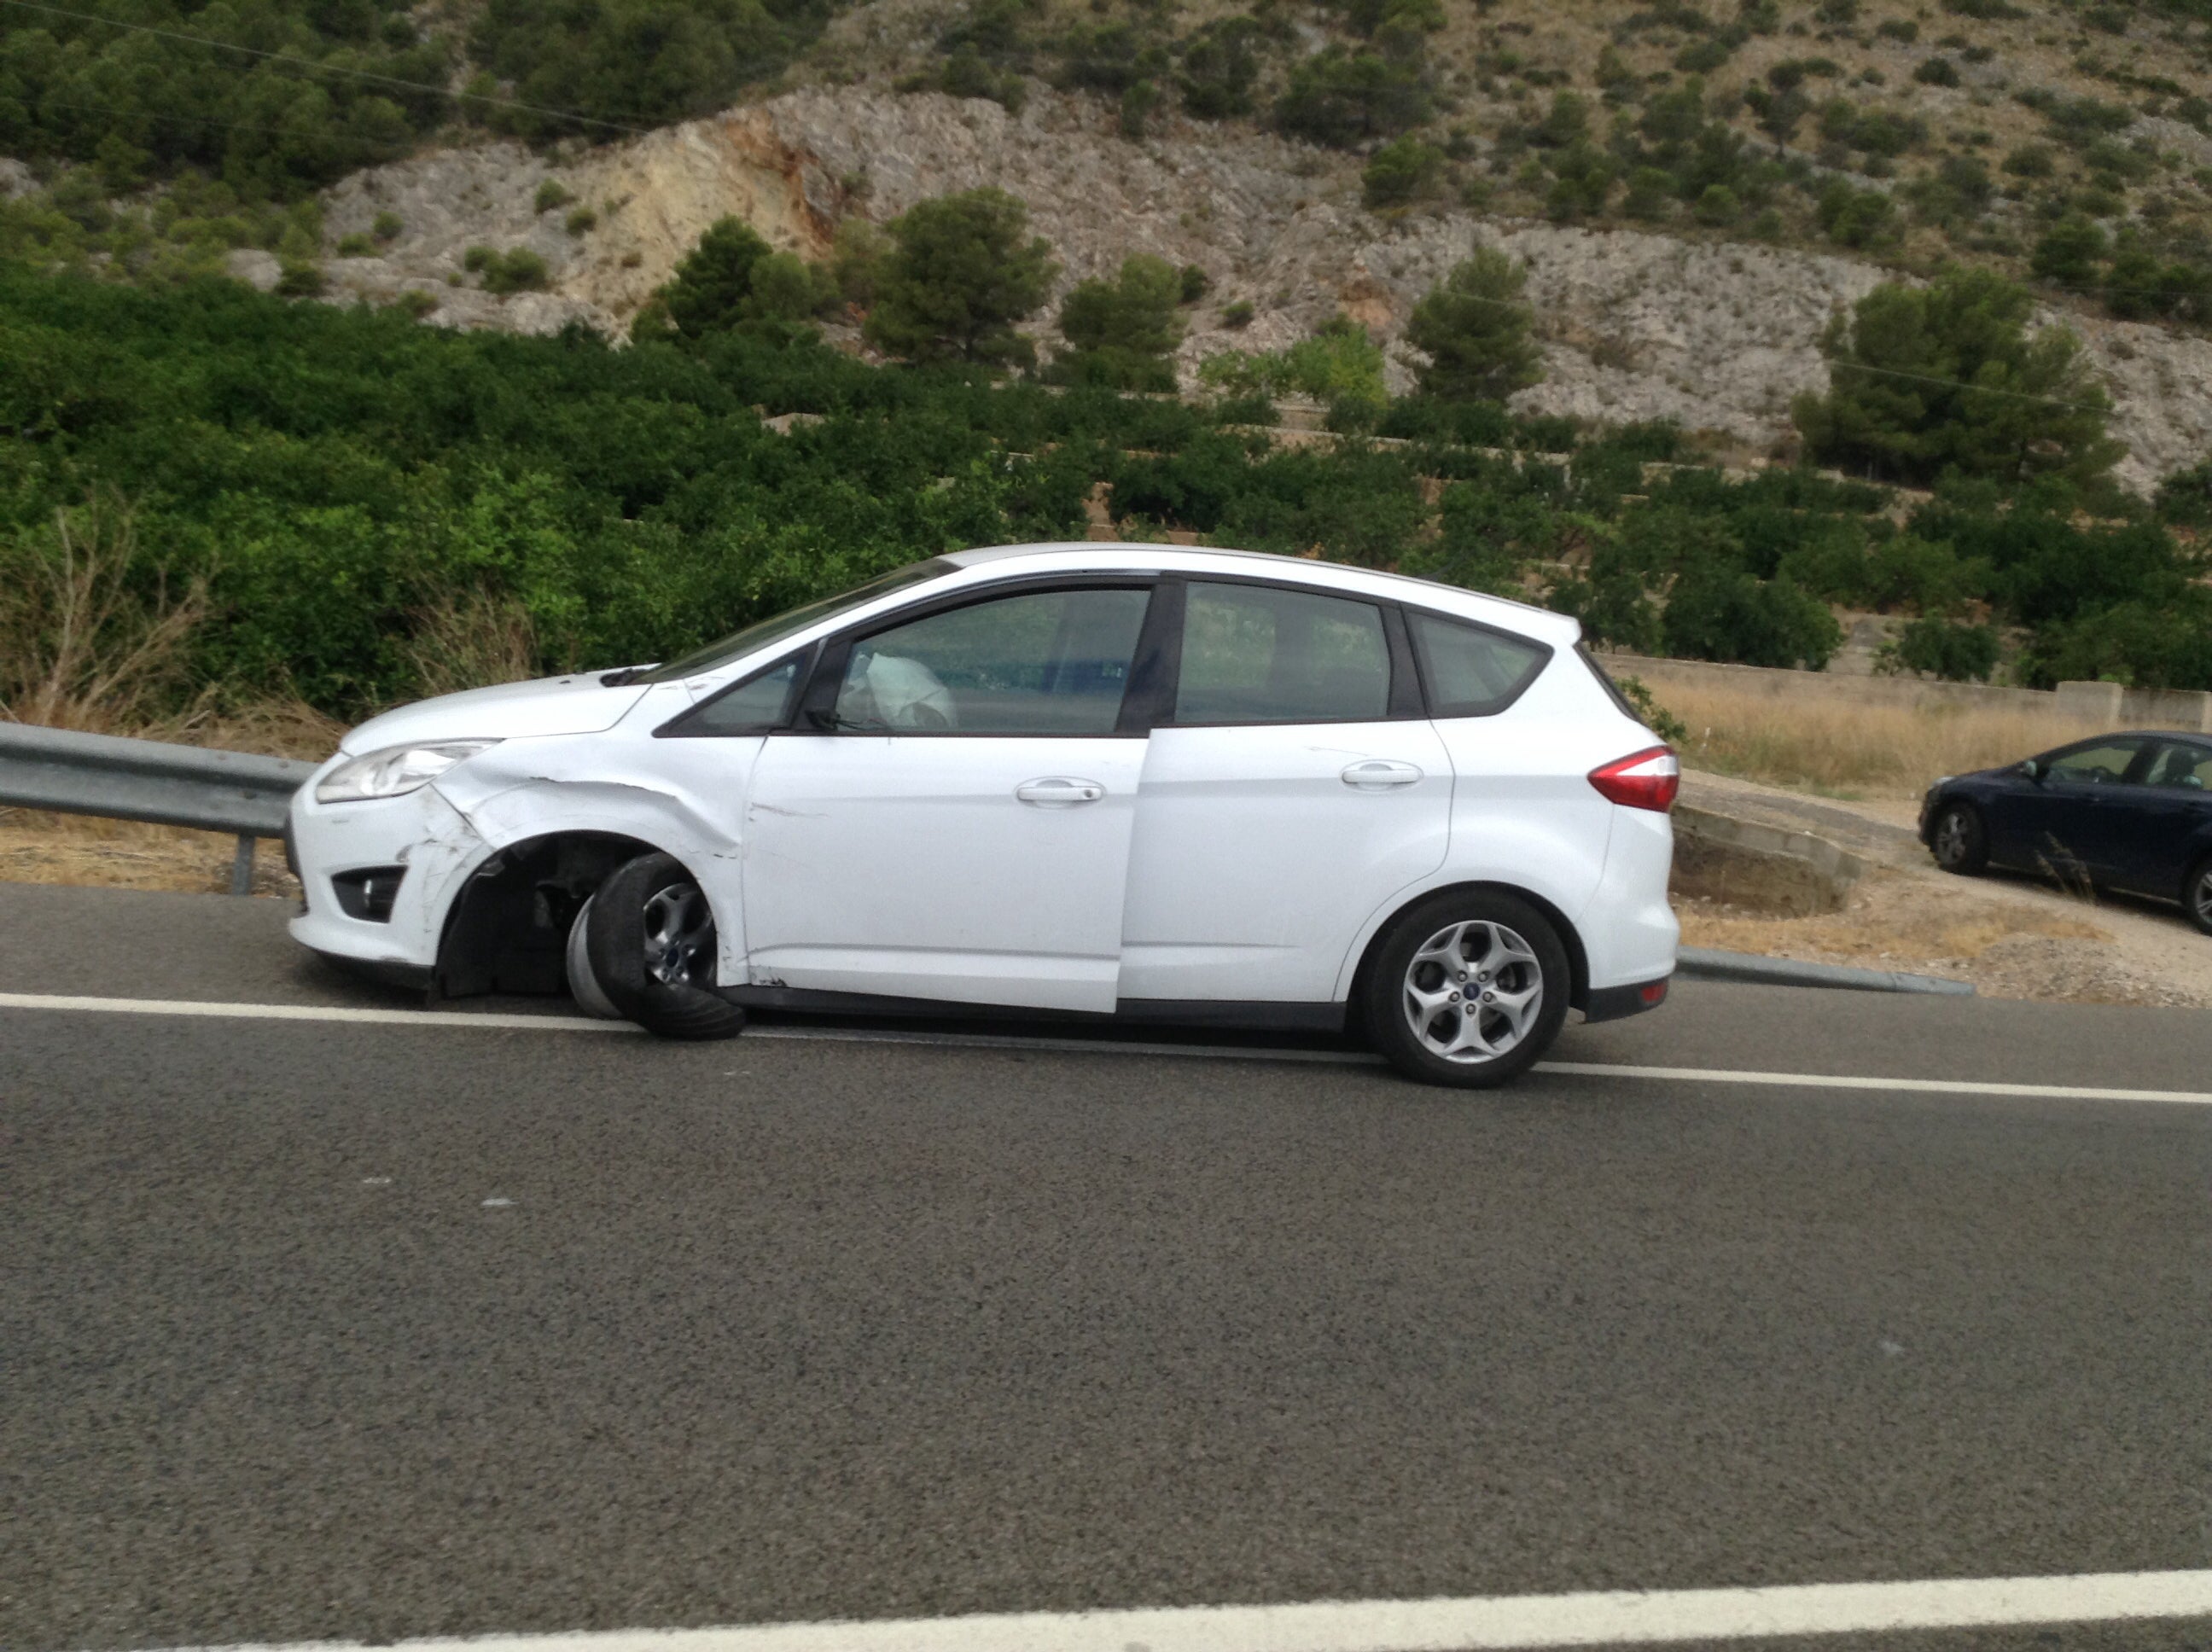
(1847, 1081)
(1622, 1618)
(192, 1007)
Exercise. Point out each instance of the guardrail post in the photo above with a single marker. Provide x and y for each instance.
(241, 865)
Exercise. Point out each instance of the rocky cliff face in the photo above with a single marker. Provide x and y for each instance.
(1716, 335)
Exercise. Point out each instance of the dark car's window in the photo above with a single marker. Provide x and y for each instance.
(1256, 654)
(2189, 766)
(1043, 662)
(2103, 764)
(759, 704)
(1472, 671)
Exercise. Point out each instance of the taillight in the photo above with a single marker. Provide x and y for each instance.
(1645, 780)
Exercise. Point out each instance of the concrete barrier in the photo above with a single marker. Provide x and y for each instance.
(2106, 705)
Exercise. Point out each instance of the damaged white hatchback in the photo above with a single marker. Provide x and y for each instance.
(1146, 782)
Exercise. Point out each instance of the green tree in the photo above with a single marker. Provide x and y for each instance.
(1341, 98)
(959, 275)
(1121, 332)
(1946, 377)
(708, 291)
(1475, 327)
(2068, 252)
(1220, 67)
(1400, 172)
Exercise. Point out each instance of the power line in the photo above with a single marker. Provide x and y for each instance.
(331, 68)
(1960, 384)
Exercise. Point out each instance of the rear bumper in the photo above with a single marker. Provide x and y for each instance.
(1612, 1003)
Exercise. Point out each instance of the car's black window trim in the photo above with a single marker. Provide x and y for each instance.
(675, 728)
(814, 707)
(1156, 674)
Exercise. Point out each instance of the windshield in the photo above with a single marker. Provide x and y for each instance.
(754, 638)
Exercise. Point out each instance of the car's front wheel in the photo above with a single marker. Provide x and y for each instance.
(1960, 841)
(2197, 896)
(1468, 989)
(644, 946)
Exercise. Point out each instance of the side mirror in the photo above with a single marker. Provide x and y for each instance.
(2031, 769)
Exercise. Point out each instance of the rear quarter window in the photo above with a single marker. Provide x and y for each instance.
(1472, 671)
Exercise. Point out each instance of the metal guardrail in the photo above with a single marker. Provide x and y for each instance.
(167, 785)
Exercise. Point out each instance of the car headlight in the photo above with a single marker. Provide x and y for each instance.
(395, 771)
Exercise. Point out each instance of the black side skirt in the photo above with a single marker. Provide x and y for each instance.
(1253, 1017)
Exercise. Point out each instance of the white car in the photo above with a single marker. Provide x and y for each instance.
(1148, 782)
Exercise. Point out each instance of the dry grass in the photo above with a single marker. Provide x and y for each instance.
(476, 639)
(82, 645)
(1833, 744)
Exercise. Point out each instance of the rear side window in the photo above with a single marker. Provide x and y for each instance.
(2189, 766)
(1472, 671)
(1257, 654)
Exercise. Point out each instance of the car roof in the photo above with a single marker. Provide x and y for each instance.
(1121, 556)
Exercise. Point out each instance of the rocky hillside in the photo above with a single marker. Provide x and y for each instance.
(1717, 333)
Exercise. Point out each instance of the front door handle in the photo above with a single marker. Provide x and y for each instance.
(1058, 792)
(1380, 774)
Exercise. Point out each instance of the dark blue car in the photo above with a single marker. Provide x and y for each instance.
(2125, 811)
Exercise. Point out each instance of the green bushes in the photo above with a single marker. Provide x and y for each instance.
(1945, 378)
(1475, 327)
(1121, 333)
(1401, 172)
(333, 476)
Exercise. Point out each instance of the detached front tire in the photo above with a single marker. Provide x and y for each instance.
(648, 950)
(1468, 989)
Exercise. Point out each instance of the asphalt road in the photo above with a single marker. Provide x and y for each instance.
(316, 1331)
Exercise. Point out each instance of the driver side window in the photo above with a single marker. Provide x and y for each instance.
(1043, 662)
(2102, 764)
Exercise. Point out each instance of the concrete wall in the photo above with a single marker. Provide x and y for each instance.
(2107, 704)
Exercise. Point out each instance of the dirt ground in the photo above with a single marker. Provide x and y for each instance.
(2011, 937)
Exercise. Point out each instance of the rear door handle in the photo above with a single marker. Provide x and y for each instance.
(1058, 792)
(1380, 774)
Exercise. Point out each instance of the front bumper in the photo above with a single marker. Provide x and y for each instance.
(420, 832)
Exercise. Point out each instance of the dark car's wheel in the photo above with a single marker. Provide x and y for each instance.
(1960, 841)
(2197, 896)
(1466, 989)
(650, 944)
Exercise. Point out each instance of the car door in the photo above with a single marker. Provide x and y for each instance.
(950, 817)
(2167, 818)
(1293, 784)
(2077, 812)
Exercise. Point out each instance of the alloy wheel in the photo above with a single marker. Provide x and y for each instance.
(1951, 837)
(679, 936)
(1474, 991)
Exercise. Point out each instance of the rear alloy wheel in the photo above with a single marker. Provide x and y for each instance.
(1960, 841)
(649, 950)
(2197, 896)
(1468, 990)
